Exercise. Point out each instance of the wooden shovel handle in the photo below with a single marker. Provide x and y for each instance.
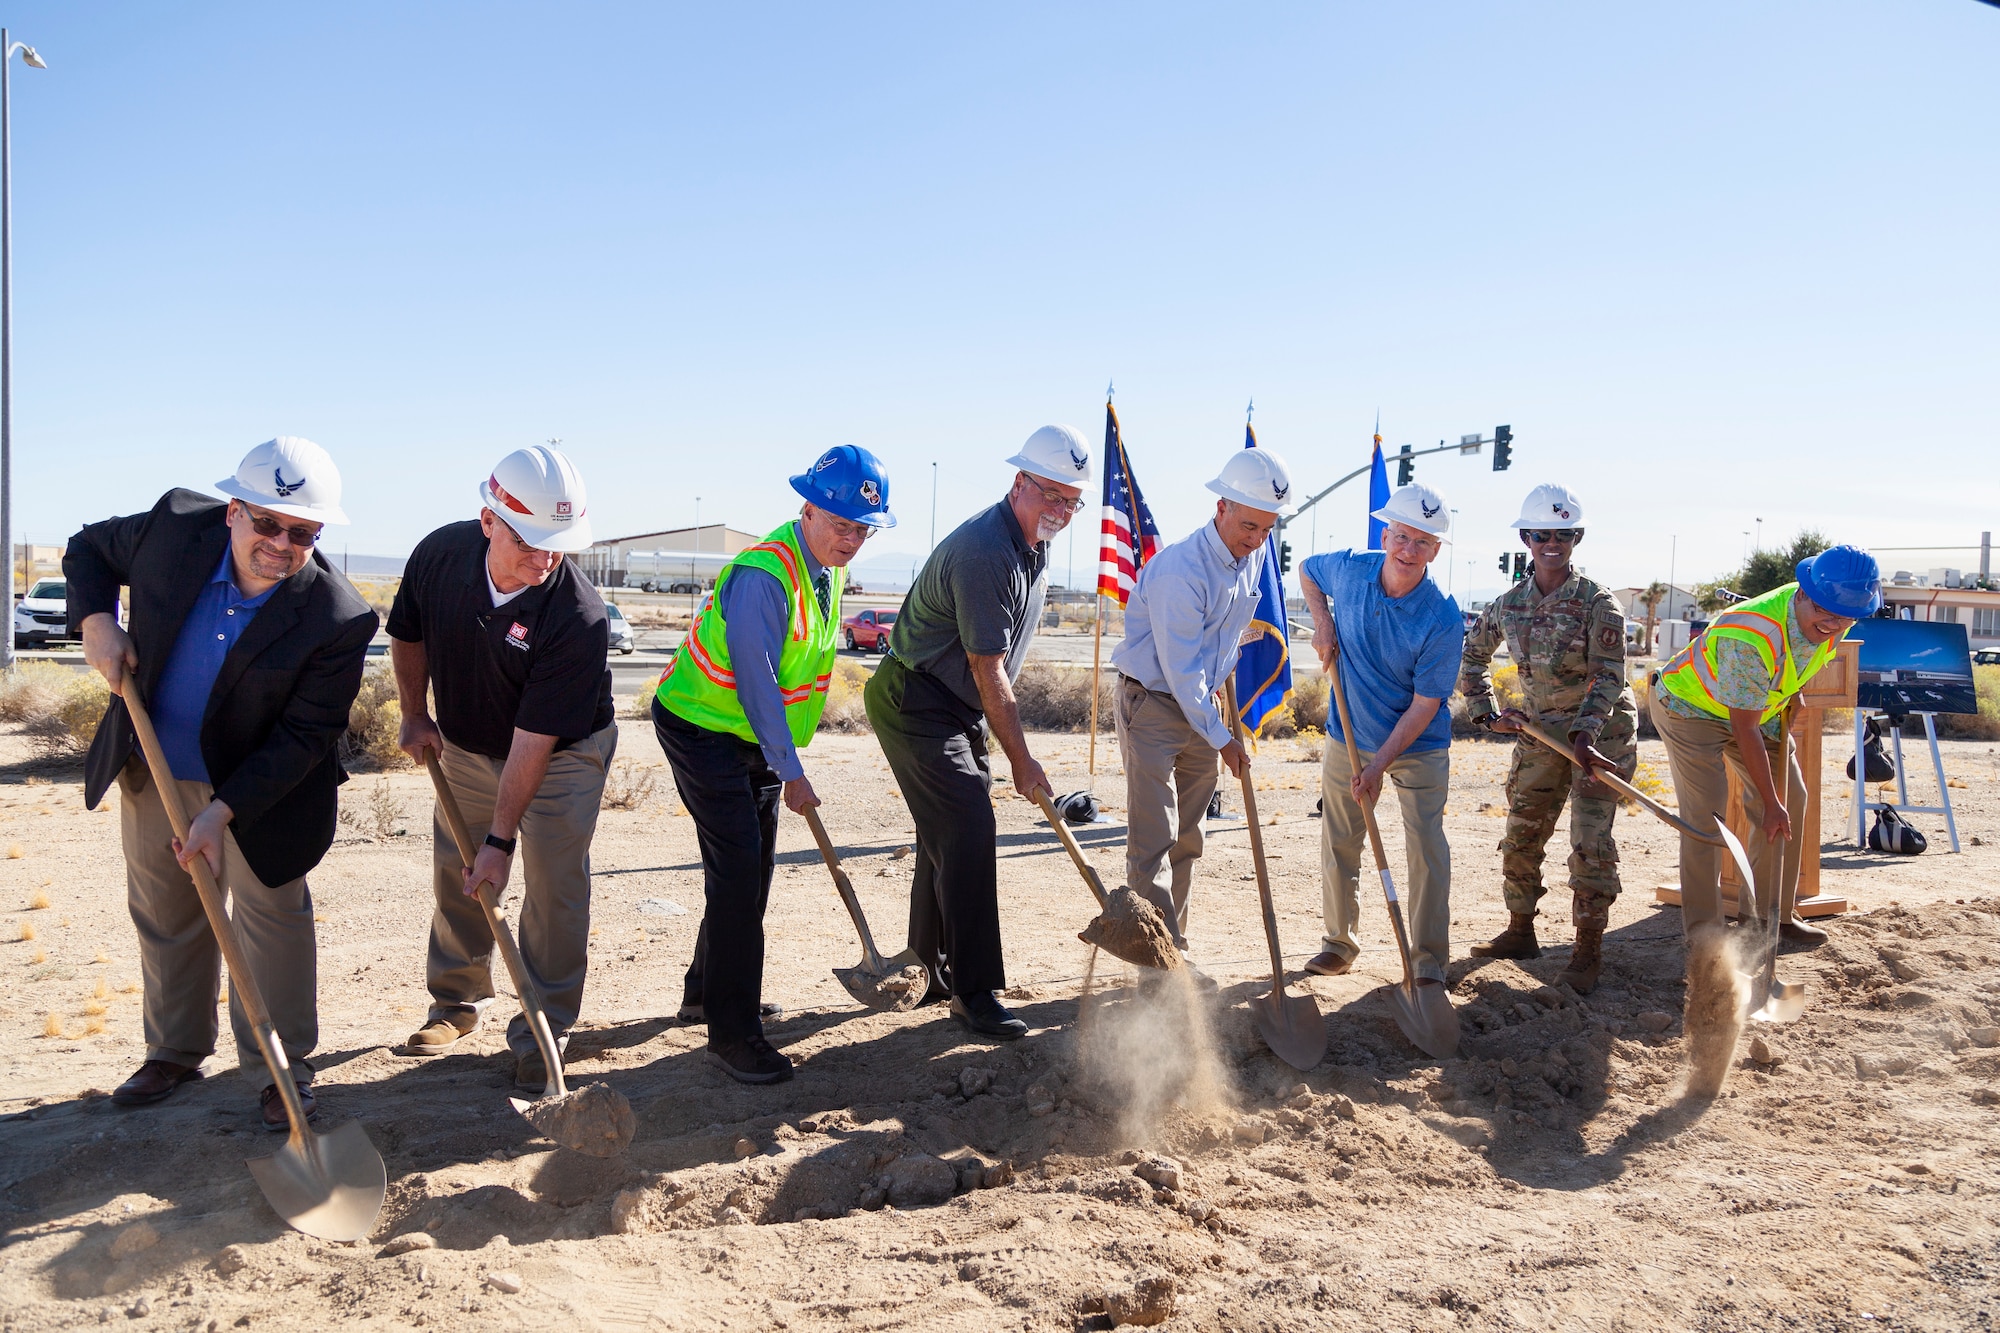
(1622, 787)
(1083, 866)
(503, 938)
(1256, 832)
(1395, 905)
(845, 887)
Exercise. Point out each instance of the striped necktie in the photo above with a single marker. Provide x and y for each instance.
(823, 591)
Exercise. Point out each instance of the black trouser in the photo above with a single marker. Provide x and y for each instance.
(733, 796)
(936, 747)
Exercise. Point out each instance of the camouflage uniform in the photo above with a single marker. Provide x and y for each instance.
(1570, 649)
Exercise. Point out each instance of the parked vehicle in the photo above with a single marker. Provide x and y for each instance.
(868, 631)
(1987, 657)
(623, 640)
(42, 617)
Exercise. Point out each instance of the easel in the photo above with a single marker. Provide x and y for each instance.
(1836, 686)
(1901, 805)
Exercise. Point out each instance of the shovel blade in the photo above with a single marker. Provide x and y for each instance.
(1785, 1003)
(898, 988)
(326, 1185)
(595, 1119)
(1426, 1016)
(1132, 930)
(1291, 1026)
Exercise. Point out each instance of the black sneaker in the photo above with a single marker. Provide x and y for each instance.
(751, 1061)
(982, 1013)
(692, 1014)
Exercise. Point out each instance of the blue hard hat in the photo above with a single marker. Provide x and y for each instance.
(849, 482)
(1844, 580)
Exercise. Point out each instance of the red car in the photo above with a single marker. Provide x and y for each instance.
(868, 630)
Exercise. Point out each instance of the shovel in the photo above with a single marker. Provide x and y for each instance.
(1423, 1012)
(877, 983)
(1623, 788)
(1128, 927)
(595, 1120)
(1771, 999)
(1289, 1024)
(326, 1185)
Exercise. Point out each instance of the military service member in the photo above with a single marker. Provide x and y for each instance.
(1567, 637)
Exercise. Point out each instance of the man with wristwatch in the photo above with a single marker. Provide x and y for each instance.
(510, 639)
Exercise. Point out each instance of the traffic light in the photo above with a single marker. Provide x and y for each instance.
(1284, 557)
(1406, 468)
(1503, 447)
(1506, 563)
(1520, 565)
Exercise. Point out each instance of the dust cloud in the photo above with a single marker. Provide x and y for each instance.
(1148, 1051)
(1717, 998)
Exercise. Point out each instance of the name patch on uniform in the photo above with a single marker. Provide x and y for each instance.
(517, 634)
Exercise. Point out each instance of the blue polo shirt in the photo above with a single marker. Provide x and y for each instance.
(180, 701)
(1391, 648)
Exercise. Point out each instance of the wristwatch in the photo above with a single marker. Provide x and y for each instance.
(503, 845)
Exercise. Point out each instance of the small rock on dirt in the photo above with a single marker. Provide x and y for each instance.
(972, 1082)
(1301, 1098)
(134, 1238)
(1162, 1171)
(231, 1259)
(504, 1280)
(408, 1241)
(1342, 1107)
(1250, 1130)
(1984, 1036)
(139, 1309)
(1761, 1052)
(919, 1180)
(1149, 1301)
(1655, 1021)
(744, 1147)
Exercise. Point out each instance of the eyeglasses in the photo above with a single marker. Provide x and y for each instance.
(847, 531)
(1057, 500)
(520, 545)
(266, 526)
(1569, 535)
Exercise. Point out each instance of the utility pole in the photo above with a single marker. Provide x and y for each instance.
(934, 506)
(8, 46)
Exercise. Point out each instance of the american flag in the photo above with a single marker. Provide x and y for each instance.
(1130, 537)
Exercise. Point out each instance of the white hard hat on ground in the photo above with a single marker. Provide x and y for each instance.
(1550, 506)
(1056, 453)
(538, 492)
(1257, 478)
(291, 476)
(1418, 506)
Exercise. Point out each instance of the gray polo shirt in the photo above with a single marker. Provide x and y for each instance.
(980, 592)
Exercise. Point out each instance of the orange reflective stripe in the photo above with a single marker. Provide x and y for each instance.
(800, 693)
(784, 554)
(699, 656)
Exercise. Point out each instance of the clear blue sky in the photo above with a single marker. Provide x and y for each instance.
(1713, 262)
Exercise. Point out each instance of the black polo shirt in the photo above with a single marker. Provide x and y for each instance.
(982, 591)
(540, 663)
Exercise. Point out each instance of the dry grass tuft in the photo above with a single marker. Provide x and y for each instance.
(102, 957)
(63, 727)
(845, 711)
(1055, 698)
(103, 991)
(1981, 726)
(52, 1025)
(39, 957)
(373, 722)
(32, 690)
(95, 1027)
(27, 933)
(379, 816)
(38, 901)
(628, 786)
(15, 851)
(95, 1007)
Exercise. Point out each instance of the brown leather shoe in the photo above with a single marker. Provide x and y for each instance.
(1327, 963)
(1796, 931)
(272, 1107)
(155, 1082)
(440, 1034)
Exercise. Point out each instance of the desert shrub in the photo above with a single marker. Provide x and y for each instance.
(628, 786)
(32, 690)
(1054, 698)
(638, 708)
(1309, 704)
(845, 711)
(379, 815)
(66, 729)
(373, 722)
(1981, 726)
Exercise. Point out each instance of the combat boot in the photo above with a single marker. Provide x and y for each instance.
(1586, 960)
(1517, 941)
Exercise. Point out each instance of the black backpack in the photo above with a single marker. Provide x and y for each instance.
(1874, 759)
(1892, 833)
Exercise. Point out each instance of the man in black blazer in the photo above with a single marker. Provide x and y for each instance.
(247, 648)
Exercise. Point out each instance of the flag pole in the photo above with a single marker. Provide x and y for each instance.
(1096, 666)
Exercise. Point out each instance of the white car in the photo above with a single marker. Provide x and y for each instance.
(623, 640)
(42, 616)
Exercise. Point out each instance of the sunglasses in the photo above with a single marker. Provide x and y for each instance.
(1056, 500)
(1569, 535)
(266, 526)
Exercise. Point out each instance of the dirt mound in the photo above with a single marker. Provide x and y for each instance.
(1131, 928)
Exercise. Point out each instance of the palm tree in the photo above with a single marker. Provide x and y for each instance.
(1655, 593)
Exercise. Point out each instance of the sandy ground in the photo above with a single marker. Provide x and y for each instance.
(1548, 1176)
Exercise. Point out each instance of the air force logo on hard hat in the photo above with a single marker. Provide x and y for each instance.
(1279, 492)
(282, 486)
(1082, 460)
(1430, 511)
(826, 461)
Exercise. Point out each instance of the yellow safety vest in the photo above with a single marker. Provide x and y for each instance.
(1759, 622)
(700, 685)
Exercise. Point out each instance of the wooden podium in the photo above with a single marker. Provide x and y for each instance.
(1837, 686)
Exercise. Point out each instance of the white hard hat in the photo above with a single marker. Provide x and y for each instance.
(1550, 506)
(1255, 477)
(1418, 506)
(1056, 453)
(538, 492)
(291, 476)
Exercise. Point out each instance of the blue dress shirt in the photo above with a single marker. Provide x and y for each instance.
(180, 702)
(1184, 626)
(755, 618)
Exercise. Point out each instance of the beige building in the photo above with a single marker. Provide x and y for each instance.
(674, 559)
(1943, 595)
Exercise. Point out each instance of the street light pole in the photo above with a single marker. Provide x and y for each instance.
(8, 46)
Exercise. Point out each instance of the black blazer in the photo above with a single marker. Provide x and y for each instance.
(280, 702)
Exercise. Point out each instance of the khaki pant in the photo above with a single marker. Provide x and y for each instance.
(1422, 781)
(1699, 751)
(178, 956)
(553, 868)
(1170, 774)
